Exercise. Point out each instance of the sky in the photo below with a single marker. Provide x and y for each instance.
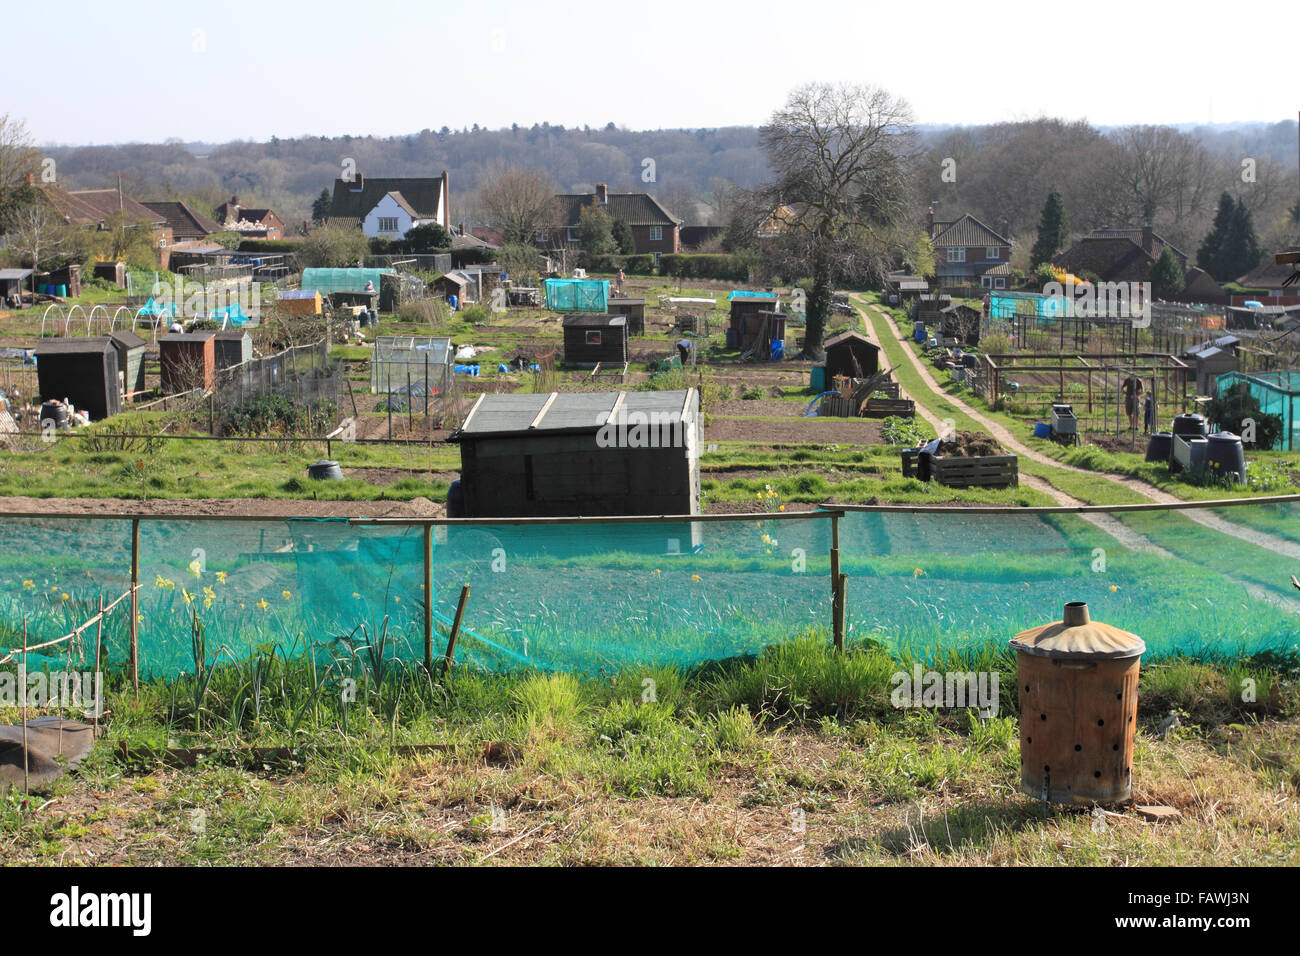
(132, 71)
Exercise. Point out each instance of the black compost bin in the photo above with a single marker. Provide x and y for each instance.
(1190, 424)
(1224, 455)
(1160, 447)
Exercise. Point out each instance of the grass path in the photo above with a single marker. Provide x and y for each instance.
(880, 327)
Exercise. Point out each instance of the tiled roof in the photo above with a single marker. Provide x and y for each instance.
(184, 219)
(1158, 242)
(635, 209)
(352, 203)
(90, 207)
(968, 231)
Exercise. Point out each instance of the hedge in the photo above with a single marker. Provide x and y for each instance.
(704, 266)
(637, 265)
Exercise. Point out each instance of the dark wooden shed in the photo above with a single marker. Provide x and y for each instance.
(633, 309)
(595, 337)
(581, 453)
(188, 361)
(232, 347)
(114, 272)
(853, 354)
(756, 329)
(749, 305)
(83, 371)
(131, 350)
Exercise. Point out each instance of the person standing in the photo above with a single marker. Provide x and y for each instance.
(621, 277)
(1132, 397)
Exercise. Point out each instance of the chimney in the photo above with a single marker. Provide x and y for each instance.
(462, 229)
(602, 194)
(234, 201)
(1148, 238)
(31, 179)
(446, 201)
(930, 215)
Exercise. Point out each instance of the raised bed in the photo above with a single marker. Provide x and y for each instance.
(986, 471)
(887, 407)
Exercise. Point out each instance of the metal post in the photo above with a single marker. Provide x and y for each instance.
(135, 606)
(428, 597)
(22, 694)
(99, 661)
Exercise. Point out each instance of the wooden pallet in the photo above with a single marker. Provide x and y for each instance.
(987, 471)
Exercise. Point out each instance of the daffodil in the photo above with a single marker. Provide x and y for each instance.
(189, 598)
(1114, 587)
(221, 577)
(917, 572)
(262, 604)
(64, 595)
(196, 569)
(29, 585)
(209, 593)
(285, 594)
(165, 584)
(357, 595)
(695, 577)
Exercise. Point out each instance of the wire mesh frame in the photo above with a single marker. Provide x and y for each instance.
(303, 373)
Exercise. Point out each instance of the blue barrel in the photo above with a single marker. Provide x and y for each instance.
(63, 292)
(1042, 430)
(817, 380)
(778, 349)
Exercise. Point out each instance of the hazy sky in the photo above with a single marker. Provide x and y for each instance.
(93, 72)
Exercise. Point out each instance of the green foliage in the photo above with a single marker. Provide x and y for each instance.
(227, 240)
(1231, 247)
(278, 414)
(1166, 275)
(424, 239)
(1230, 410)
(623, 238)
(474, 315)
(596, 231)
(320, 207)
(332, 247)
(640, 265)
(905, 432)
(732, 268)
(752, 393)
(1044, 274)
(1052, 230)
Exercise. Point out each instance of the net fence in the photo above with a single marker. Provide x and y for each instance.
(599, 596)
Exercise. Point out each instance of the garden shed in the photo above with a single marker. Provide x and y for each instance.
(131, 350)
(589, 339)
(755, 329)
(188, 361)
(298, 302)
(1210, 361)
(581, 453)
(83, 371)
(852, 354)
(231, 347)
(634, 310)
(577, 295)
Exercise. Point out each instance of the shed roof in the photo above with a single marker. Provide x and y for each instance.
(509, 414)
(128, 338)
(15, 273)
(848, 335)
(600, 319)
(73, 346)
(186, 336)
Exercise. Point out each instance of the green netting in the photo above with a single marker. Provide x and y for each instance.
(1277, 394)
(326, 281)
(577, 295)
(600, 596)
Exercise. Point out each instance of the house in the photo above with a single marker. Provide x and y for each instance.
(101, 209)
(81, 371)
(655, 230)
(582, 453)
(389, 206)
(851, 353)
(252, 223)
(186, 222)
(999, 277)
(1270, 275)
(591, 338)
(1117, 254)
(965, 249)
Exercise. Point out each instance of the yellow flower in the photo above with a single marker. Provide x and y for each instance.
(196, 569)
(1114, 587)
(209, 593)
(55, 588)
(695, 577)
(357, 595)
(64, 595)
(189, 598)
(286, 595)
(917, 572)
(221, 577)
(769, 550)
(262, 604)
(241, 605)
(655, 571)
(782, 508)
(29, 585)
(207, 602)
(165, 583)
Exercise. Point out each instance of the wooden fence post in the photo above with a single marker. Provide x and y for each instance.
(135, 606)
(448, 658)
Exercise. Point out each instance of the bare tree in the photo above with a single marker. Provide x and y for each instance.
(19, 160)
(36, 231)
(840, 155)
(1163, 175)
(521, 202)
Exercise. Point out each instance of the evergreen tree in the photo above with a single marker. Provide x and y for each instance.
(1166, 275)
(1209, 255)
(623, 237)
(1241, 253)
(1052, 231)
(320, 209)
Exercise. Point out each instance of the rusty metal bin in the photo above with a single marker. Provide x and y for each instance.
(1078, 682)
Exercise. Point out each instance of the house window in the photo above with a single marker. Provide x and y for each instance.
(656, 255)
(999, 283)
(593, 336)
(541, 235)
(656, 233)
(957, 254)
(573, 235)
(991, 252)
(388, 224)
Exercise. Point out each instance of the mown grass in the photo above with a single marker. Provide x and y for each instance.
(795, 756)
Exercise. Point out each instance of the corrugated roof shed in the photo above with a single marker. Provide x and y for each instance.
(565, 412)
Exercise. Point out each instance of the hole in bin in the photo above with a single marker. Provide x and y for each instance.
(1078, 747)
(1029, 740)
(1043, 716)
(1046, 768)
(1115, 747)
(1097, 774)
(1026, 687)
(1101, 723)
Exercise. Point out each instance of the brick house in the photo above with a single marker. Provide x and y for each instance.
(186, 222)
(965, 249)
(655, 230)
(1117, 254)
(98, 209)
(252, 223)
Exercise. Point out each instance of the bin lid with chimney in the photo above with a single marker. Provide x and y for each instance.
(1077, 637)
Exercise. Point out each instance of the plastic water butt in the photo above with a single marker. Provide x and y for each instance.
(1078, 690)
(325, 470)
